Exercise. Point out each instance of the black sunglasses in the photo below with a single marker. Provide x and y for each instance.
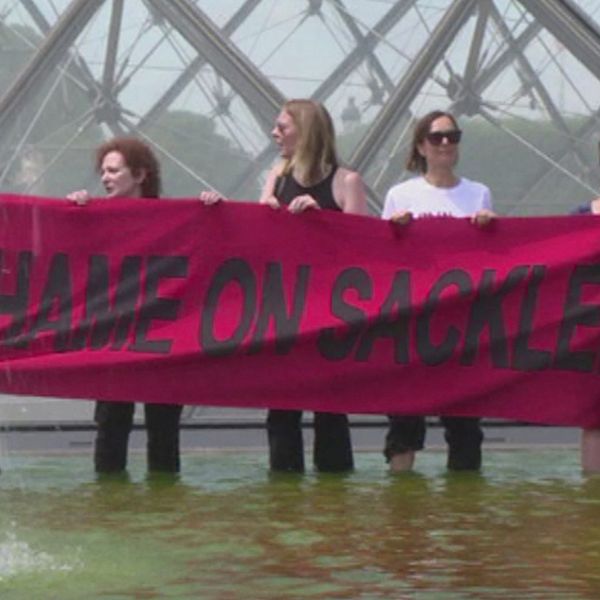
(435, 138)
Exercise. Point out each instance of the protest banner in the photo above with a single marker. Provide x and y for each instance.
(241, 305)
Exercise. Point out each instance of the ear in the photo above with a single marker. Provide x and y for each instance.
(421, 149)
(139, 176)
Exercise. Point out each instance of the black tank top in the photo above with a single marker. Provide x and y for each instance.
(287, 188)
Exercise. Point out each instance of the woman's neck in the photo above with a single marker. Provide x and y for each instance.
(305, 180)
(442, 178)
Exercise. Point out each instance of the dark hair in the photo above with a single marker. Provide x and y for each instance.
(138, 157)
(416, 161)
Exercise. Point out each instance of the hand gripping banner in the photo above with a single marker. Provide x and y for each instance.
(240, 305)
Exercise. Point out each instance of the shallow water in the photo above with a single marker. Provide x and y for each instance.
(527, 527)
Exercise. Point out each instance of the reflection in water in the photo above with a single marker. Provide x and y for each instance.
(529, 527)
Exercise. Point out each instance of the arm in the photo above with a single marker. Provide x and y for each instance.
(349, 192)
(267, 195)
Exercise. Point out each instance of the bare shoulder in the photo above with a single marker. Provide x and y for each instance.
(347, 176)
(347, 181)
(349, 191)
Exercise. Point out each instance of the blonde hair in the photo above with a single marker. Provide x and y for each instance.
(314, 155)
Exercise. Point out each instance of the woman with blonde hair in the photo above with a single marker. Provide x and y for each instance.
(309, 177)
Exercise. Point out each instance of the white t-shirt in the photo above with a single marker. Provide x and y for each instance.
(423, 199)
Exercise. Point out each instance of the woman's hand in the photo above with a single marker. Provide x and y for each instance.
(404, 217)
(210, 197)
(301, 203)
(482, 218)
(80, 197)
(270, 201)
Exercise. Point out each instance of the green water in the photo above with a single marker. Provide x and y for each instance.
(528, 527)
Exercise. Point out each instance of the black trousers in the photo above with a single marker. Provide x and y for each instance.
(462, 434)
(115, 421)
(332, 446)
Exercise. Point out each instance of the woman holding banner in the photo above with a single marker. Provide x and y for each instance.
(590, 438)
(129, 169)
(308, 177)
(437, 191)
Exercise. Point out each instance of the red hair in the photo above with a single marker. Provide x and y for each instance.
(139, 158)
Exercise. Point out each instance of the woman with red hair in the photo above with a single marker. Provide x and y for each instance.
(129, 169)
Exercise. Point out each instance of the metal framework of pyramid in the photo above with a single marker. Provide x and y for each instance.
(204, 80)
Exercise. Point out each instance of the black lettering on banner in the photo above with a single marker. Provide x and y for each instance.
(337, 347)
(103, 321)
(524, 357)
(55, 310)
(574, 315)
(15, 304)
(156, 308)
(430, 353)
(393, 322)
(273, 306)
(486, 311)
(234, 270)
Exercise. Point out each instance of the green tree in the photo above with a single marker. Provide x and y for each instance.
(194, 141)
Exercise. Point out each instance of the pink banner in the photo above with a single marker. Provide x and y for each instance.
(240, 305)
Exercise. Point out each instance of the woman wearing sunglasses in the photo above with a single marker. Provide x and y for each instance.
(436, 191)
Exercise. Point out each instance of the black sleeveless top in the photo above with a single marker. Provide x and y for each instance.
(287, 188)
